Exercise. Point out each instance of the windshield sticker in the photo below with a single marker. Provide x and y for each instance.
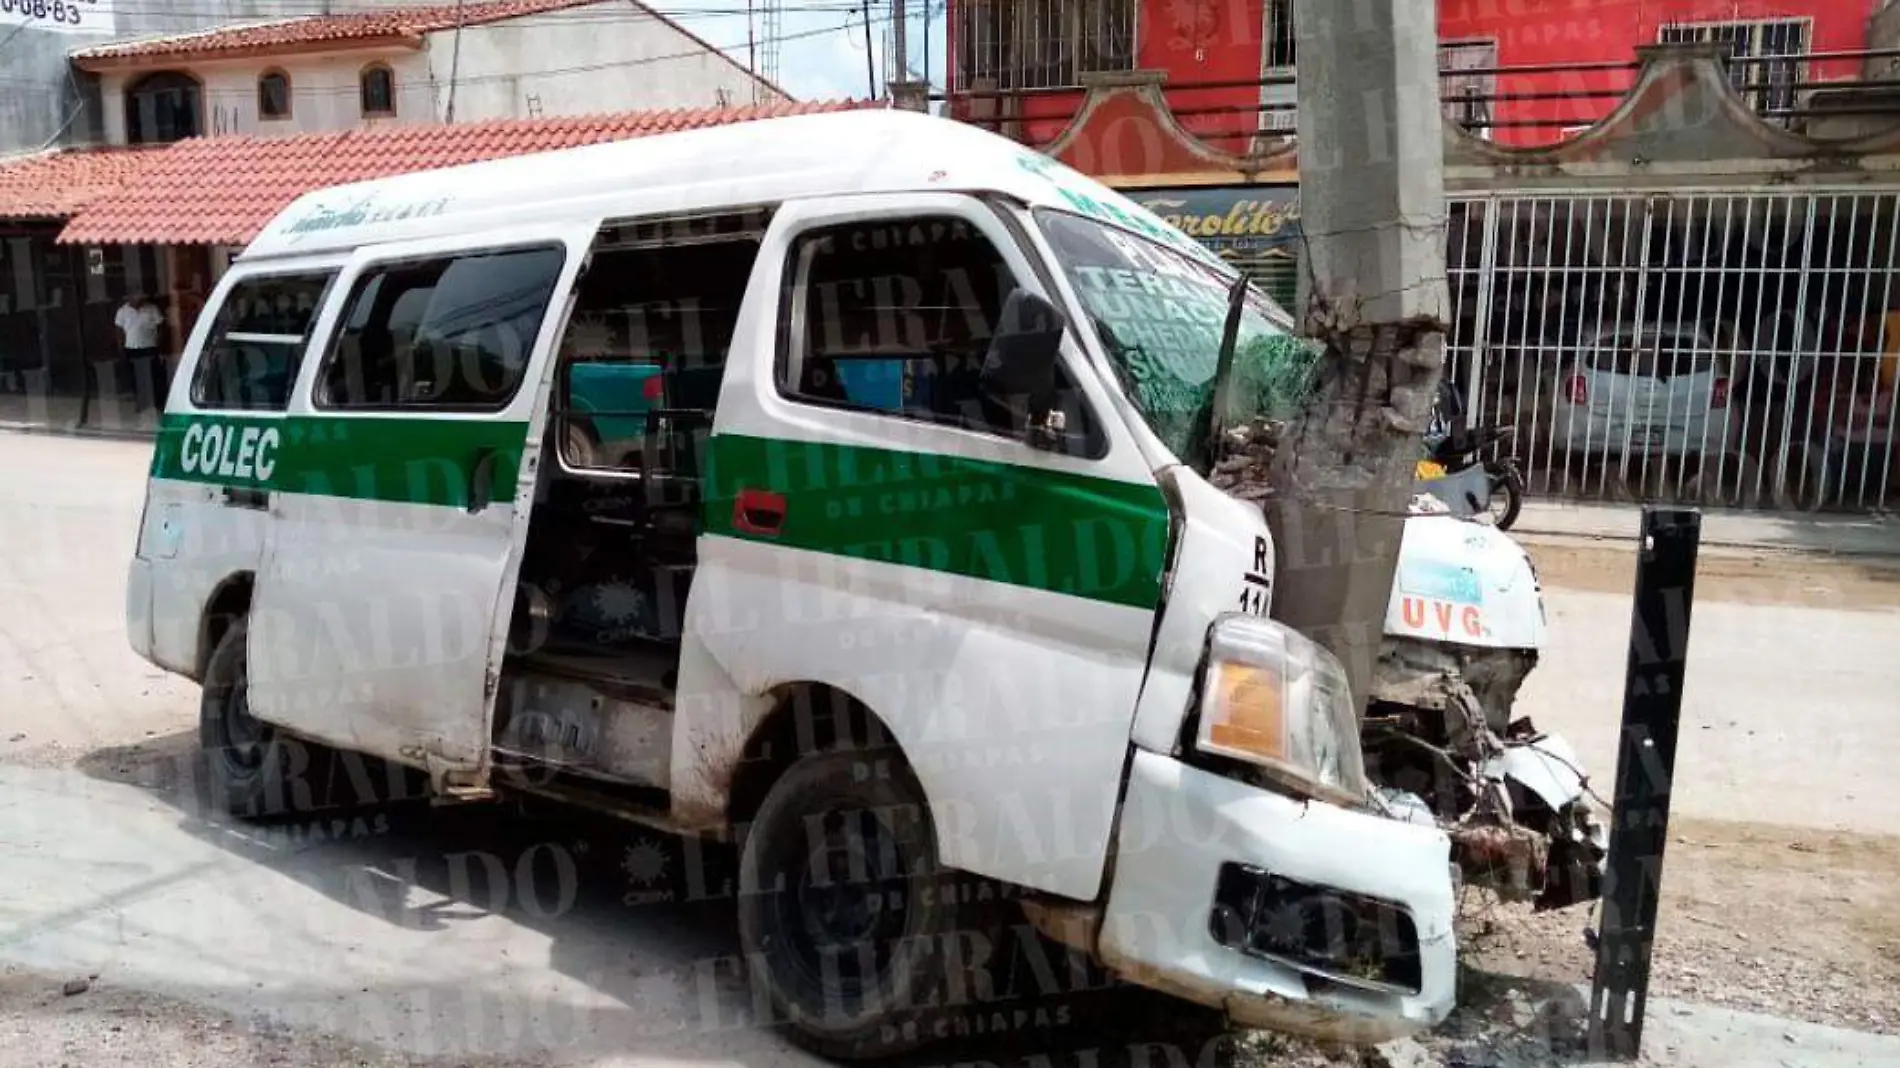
(1068, 184)
(1443, 582)
(1161, 317)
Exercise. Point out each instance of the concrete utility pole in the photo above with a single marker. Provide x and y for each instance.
(1372, 205)
(900, 43)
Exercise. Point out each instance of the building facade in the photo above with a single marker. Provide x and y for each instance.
(327, 97)
(1022, 65)
(470, 63)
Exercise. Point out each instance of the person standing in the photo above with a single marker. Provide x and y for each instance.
(138, 320)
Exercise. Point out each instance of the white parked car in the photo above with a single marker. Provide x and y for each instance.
(1659, 390)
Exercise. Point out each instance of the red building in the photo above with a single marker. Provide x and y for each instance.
(1589, 46)
(1229, 63)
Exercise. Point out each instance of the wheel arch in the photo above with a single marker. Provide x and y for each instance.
(805, 717)
(229, 602)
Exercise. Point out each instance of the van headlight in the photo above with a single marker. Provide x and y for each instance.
(1272, 697)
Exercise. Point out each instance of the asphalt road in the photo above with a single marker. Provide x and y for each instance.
(485, 937)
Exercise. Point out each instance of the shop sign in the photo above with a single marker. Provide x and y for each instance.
(1233, 220)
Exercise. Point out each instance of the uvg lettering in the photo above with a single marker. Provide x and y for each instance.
(1417, 610)
(229, 452)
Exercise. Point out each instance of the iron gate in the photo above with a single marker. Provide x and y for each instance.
(1712, 347)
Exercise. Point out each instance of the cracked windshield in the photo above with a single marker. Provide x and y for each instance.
(1161, 313)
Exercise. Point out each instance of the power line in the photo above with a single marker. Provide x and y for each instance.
(550, 72)
(294, 10)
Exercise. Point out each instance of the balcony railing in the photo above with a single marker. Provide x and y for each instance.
(1519, 105)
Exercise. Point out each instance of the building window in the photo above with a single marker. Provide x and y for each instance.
(273, 95)
(1465, 86)
(163, 107)
(1277, 52)
(1042, 44)
(378, 88)
(1771, 79)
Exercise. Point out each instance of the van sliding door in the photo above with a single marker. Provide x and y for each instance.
(403, 483)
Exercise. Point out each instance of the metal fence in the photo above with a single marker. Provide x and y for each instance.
(1718, 348)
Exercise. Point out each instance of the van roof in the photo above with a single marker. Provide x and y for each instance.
(767, 161)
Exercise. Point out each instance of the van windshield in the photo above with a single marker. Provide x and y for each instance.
(1160, 313)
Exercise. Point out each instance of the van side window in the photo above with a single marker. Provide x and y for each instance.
(896, 316)
(257, 342)
(646, 348)
(452, 333)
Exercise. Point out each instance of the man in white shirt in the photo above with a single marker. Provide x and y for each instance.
(138, 320)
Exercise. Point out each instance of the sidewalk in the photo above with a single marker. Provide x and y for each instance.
(109, 417)
(1833, 535)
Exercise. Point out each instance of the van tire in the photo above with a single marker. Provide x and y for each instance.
(579, 442)
(782, 916)
(252, 770)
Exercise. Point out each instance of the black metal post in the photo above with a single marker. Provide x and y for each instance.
(1645, 769)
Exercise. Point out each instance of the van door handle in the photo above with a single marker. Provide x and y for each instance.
(243, 497)
(481, 479)
(759, 512)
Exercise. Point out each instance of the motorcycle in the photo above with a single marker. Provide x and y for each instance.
(1453, 473)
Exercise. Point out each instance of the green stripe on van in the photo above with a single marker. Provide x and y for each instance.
(402, 460)
(1048, 530)
(1088, 537)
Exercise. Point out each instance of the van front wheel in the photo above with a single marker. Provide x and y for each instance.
(846, 918)
(252, 770)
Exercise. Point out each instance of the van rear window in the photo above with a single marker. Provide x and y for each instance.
(257, 342)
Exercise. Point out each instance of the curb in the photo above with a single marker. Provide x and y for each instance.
(96, 433)
(1816, 544)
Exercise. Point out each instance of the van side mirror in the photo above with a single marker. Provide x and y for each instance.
(1020, 366)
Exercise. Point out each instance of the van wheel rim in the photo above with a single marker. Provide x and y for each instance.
(245, 737)
(846, 903)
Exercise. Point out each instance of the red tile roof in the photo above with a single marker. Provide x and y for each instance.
(386, 25)
(56, 185)
(223, 190)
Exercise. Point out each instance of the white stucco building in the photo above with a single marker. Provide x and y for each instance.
(495, 59)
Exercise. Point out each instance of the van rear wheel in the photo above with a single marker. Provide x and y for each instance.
(848, 922)
(252, 770)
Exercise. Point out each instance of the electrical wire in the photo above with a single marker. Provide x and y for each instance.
(725, 51)
(292, 10)
(304, 9)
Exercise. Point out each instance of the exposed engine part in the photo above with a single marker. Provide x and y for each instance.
(1418, 674)
(1513, 801)
(1579, 847)
(1508, 858)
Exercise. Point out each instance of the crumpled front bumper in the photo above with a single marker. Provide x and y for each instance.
(1188, 837)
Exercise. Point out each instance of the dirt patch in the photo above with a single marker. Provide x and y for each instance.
(47, 1020)
(1732, 575)
(1781, 920)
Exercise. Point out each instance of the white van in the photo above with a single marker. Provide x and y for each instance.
(776, 482)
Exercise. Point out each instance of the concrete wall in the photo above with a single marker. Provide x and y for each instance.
(579, 62)
(324, 93)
